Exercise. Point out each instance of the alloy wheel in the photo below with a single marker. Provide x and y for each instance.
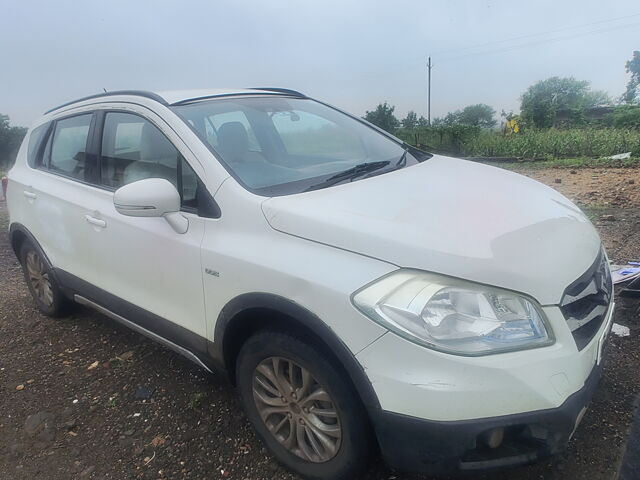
(297, 409)
(39, 278)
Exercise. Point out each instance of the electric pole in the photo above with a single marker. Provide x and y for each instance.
(429, 94)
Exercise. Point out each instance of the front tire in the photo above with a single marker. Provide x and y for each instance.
(303, 407)
(41, 282)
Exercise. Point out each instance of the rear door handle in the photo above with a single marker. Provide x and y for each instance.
(30, 195)
(95, 221)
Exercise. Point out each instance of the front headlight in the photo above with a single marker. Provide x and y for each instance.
(454, 316)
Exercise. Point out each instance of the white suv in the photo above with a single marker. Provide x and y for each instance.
(362, 294)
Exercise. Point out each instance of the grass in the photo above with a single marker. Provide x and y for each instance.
(575, 162)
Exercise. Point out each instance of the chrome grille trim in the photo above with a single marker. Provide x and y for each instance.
(586, 301)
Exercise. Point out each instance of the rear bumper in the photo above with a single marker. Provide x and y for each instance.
(419, 445)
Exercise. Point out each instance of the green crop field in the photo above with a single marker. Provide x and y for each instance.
(537, 144)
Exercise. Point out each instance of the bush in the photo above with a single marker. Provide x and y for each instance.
(624, 116)
(449, 138)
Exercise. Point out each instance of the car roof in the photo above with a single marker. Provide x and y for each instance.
(179, 97)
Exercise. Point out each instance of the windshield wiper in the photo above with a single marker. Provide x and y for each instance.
(350, 174)
(402, 161)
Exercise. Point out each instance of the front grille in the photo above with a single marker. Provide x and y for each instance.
(585, 302)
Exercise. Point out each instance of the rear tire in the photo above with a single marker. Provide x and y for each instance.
(303, 407)
(41, 282)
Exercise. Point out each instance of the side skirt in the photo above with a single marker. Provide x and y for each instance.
(177, 338)
(141, 330)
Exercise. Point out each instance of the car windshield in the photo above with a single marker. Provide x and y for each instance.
(277, 145)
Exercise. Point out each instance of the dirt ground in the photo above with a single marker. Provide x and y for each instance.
(82, 397)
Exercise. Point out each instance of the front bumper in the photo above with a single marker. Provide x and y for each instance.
(434, 420)
(419, 445)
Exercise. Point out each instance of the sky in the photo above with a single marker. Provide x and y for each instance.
(351, 53)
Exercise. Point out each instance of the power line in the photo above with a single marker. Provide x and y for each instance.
(540, 42)
(574, 27)
(445, 59)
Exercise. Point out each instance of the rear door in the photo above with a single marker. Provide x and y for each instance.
(59, 192)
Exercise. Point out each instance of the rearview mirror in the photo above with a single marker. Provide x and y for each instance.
(151, 197)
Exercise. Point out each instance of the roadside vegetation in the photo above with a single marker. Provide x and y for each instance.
(10, 140)
(569, 163)
(532, 143)
(561, 120)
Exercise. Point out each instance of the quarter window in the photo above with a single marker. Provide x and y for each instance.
(69, 147)
(35, 141)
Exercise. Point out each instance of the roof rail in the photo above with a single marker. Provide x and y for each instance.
(267, 91)
(138, 93)
(280, 90)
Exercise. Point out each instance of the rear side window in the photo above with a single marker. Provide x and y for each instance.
(68, 151)
(35, 141)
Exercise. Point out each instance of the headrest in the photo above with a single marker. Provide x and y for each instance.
(233, 138)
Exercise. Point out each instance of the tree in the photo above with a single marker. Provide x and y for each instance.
(383, 117)
(542, 100)
(423, 122)
(632, 94)
(10, 140)
(479, 115)
(451, 118)
(411, 120)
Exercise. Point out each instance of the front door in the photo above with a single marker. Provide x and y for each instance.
(143, 261)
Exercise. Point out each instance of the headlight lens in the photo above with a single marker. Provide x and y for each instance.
(454, 316)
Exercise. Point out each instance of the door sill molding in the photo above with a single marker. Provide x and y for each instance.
(141, 330)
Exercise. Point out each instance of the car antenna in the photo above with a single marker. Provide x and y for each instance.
(105, 90)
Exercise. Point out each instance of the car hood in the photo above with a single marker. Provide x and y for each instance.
(452, 217)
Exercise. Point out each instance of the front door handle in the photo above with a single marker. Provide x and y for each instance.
(95, 221)
(30, 195)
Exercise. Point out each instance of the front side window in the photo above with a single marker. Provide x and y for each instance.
(281, 145)
(135, 149)
(68, 150)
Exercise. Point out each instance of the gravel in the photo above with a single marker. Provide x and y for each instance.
(144, 412)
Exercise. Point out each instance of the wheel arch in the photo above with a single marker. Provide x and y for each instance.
(251, 312)
(18, 234)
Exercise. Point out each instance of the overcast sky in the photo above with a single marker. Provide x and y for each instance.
(352, 54)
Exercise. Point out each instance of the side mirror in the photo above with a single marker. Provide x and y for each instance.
(151, 197)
